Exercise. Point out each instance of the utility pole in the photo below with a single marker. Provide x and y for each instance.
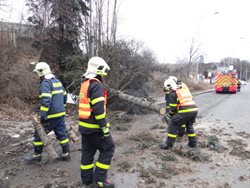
(246, 74)
(241, 70)
(199, 26)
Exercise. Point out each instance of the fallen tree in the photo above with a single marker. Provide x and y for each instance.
(135, 100)
(71, 134)
(139, 101)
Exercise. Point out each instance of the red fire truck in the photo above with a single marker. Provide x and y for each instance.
(226, 82)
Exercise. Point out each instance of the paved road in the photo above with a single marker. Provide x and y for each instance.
(226, 115)
(232, 108)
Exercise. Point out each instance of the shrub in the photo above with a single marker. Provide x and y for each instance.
(75, 66)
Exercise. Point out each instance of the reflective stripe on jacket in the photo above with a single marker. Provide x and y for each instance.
(184, 97)
(53, 99)
(84, 102)
(92, 106)
(185, 100)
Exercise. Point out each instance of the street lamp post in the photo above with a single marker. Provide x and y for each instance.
(201, 18)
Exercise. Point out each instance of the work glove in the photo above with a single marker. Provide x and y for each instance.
(165, 90)
(43, 120)
(167, 118)
(106, 131)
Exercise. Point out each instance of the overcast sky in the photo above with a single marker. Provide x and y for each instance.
(167, 26)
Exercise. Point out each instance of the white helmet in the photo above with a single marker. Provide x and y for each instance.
(174, 78)
(96, 66)
(170, 84)
(42, 69)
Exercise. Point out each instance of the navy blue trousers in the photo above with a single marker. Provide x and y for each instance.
(59, 128)
(90, 144)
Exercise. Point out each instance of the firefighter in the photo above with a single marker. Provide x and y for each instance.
(53, 99)
(183, 110)
(182, 129)
(94, 127)
(238, 85)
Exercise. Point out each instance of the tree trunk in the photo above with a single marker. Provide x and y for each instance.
(47, 143)
(71, 134)
(139, 101)
(114, 23)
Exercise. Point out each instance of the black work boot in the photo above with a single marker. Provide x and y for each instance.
(166, 146)
(34, 158)
(192, 144)
(63, 157)
(105, 184)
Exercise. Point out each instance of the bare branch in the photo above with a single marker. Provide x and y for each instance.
(2, 4)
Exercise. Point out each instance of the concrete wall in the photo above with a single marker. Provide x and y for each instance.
(15, 35)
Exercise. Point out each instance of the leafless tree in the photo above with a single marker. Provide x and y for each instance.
(41, 17)
(230, 61)
(193, 55)
(2, 4)
(99, 23)
(105, 21)
(191, 58)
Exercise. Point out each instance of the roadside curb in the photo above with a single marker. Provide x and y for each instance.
(201, 92)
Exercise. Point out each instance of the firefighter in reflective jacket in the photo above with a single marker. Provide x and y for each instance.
(167, 91)
(183, 110)
(93, 126)
(53, 99)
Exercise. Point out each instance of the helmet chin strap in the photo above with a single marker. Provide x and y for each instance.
(99, 77)
(41, 78)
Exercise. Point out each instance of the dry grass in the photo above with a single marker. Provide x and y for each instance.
(193, 86)
(168, 157)
(17, 82)
(239, 148)
(193, 154)
(145, 136)
(124, 166)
